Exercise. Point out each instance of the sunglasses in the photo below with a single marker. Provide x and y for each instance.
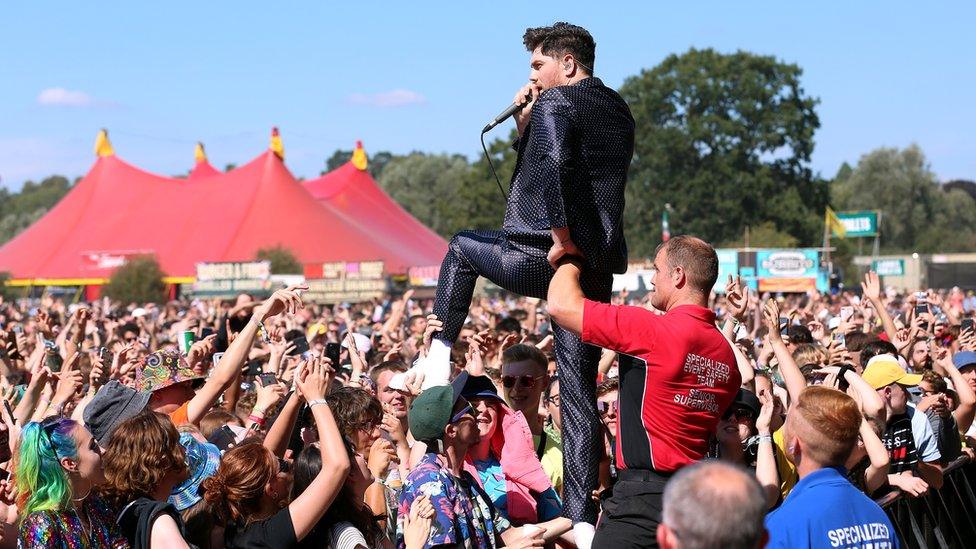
(554, 400)
(468, 410)
(48, 426)
(526, 381)
(606, 408)
(739, 414)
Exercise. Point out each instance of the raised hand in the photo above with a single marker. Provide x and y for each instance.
(433, 325)
(69, 381)
(871, 287)
(817, 330)
(268, 396)
(44, 324)
(765, 412)
(317, 378)
(288, 301)
(416, 526)
(736, 298)
(201, 350)
(381, 455)
(394, 351)
(771, 319)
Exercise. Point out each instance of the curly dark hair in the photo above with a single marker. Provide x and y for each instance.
(562, 38)
(143, 450)
(354, 410)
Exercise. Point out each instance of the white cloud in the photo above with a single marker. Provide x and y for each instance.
(390, 99)
(60, 97)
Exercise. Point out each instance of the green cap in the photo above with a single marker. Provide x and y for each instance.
(432, 410)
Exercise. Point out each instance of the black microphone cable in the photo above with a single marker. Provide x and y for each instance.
(492, 166)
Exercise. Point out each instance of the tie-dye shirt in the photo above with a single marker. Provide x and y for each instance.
(63, 529)
(461, 516)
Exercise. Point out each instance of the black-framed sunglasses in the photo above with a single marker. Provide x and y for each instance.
(526, 381)
(739, 414)
(606, 407)
(554, 400)
(47, 427)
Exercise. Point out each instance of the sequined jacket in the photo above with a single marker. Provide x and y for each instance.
(571, 171)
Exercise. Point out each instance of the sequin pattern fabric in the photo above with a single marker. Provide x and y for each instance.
(571, 171)
(63, 529)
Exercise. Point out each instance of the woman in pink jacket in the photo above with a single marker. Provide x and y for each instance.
(505, 462)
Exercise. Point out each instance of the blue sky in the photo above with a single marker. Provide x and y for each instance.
(426, 76)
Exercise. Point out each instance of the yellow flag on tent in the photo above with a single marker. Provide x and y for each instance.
(276, 145)
(103, 147)
(834, 224)
(199, 153)
(359, 159)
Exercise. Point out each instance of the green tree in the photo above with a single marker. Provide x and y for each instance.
(726, 139)
(140, 280)
(441, 191)
(918, 214)
(283, 261)
(21, 209)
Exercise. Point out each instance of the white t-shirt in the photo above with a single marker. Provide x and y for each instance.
(925, 441)
(346, 536)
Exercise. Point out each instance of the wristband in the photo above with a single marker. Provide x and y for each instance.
(766, 438)
(316, 402)
(256, 419)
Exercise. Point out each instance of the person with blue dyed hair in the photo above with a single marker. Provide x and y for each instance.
(59, 465)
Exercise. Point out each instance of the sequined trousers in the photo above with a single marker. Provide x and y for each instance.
(519, 265)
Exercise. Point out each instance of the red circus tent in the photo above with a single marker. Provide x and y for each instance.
(118, 211)
(352, 192)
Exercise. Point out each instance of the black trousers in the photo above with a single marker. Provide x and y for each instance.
(633, 511)
(522, 268)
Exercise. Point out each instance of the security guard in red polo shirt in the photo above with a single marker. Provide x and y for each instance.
(672, 397)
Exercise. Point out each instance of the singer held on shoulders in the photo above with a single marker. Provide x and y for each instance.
(576, 139)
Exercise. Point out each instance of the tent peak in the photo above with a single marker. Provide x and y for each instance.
(359, 159)
(103, 147)
(200, 153)
(276, 146)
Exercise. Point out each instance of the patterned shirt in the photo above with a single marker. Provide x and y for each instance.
(461, 517)
(898, 439)
(548, 504)
(63, 529)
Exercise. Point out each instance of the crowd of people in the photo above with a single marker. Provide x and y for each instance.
(284, 423)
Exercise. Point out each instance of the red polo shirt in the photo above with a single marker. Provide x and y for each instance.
(672, 397)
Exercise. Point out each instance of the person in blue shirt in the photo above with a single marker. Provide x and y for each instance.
(824, 509)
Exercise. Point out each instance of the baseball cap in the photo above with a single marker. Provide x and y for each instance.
(202, 459)
(111, 405)
(883, 370)
(747, 399)
(480, 387)
(431, 411)
(162, 369)
(363, 343)
(964, 359)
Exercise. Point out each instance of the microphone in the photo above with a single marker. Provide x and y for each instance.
(512, 109)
